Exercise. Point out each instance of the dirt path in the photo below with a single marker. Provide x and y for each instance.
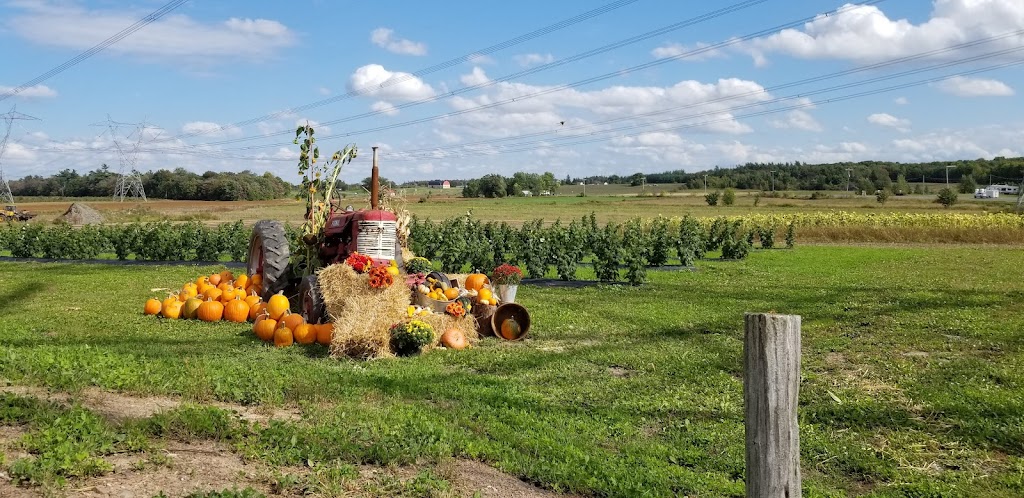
(183, 468)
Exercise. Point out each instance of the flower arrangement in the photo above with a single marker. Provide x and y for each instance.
(380, 278)
(418, 265)
(410, 337)
(507, 274)
(455, 309)
(361, 263)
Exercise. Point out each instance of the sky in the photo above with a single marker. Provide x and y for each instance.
(573, 87)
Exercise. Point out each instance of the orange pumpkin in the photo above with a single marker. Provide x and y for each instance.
(277, 305)
(210, 311)
(236, 311)
(252, 300)
(200, 280)
(485, 294)
(213, 294)
(214, 279)
(242, 281)
(264, 328)
(510, 329)
(226, 276)
(228, 295)
(305, 334)
(256, 279)
(283, 337)
(257, 310)
(172, 311)
(152, 306)
(454, 339)
(323, 333)
(476, 281)
(290, 320)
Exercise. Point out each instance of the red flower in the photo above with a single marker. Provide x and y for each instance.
(507, 274)
(359, 262)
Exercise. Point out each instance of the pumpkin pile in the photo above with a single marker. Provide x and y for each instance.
(223, 296)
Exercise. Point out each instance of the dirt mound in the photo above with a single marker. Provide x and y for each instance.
(81, 214)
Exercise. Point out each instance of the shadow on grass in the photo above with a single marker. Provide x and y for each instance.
(9, 300)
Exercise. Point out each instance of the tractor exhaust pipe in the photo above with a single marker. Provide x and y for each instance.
(374, 182)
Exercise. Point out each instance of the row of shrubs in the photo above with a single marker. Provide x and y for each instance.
(616, 251)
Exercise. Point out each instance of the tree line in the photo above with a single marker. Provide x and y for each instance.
(178, 184)
(863, 176)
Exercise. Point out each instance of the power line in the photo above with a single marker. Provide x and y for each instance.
(120, 35)
(428, 70)
(689, 22)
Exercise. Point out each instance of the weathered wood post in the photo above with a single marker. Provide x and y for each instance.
(771, 384)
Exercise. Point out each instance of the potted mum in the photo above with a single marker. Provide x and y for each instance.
(505, 280)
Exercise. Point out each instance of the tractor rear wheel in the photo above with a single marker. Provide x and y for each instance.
(269, 256)
(311, 302)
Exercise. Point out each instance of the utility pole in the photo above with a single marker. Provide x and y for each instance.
(849, 179)
(772, 174)
(705, 184)
(9, 118)
(947, 174)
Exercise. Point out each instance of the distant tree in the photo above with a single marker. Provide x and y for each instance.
(493, 186)
(471, 189)
(967, 184)
(636, 179)
(947, 197)
(711, 199)
(384, 182)
(865, 186)
(882, 196)
(729, 197)
(902, 187)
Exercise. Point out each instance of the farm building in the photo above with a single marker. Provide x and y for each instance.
(440, 184)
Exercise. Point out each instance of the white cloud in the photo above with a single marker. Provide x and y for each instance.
(175, 36)
(477, 77)
(481, 59)
(677, 49)
(889, 121)
(209, 129)
(374, 80)
(32, 92)
(385, 108)
(384, 38)
(901, 101)
(974, 87)
(797, 120)
(323, 90)
(527, 60)
(866, 33)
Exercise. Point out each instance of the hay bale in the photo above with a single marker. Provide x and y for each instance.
(362, 316)
(81, 214)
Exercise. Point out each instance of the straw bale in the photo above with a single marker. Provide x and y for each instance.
(362, 316)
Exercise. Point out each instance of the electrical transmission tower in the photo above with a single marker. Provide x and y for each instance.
(13, 115)
(129, 181)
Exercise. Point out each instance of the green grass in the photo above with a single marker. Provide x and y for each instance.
(912, 364)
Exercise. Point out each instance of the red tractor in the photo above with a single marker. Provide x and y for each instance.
(372, 232)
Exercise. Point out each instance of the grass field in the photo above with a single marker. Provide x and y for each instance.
(610, 202)
(913, 381)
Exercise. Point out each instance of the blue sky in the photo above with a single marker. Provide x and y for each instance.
(714, 100)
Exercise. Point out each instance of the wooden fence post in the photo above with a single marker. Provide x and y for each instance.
(771, 384)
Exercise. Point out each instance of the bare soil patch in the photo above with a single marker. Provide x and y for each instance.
(472, 478)
(117, 406)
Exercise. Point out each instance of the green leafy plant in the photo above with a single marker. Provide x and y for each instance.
(729, 197)
(608, 252)
(791, 235)
(660, 242)
(690, 244)
(408, 338)
(712, 198)
(318, 186)
(947, 197)
(634, 243)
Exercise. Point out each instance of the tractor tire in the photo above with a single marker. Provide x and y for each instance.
(311, 302)
(269, 256)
